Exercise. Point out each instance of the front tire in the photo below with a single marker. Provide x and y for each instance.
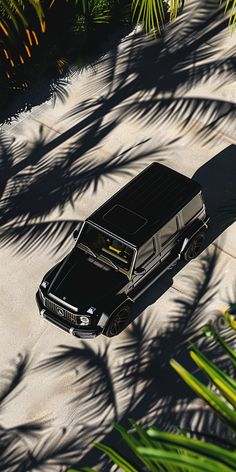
(195, 246)
(118, 321)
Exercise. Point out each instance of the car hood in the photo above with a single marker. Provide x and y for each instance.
(83, 281)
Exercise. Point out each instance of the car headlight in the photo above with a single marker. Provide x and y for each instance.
(84, 320)
(42, 297)
(44, 283)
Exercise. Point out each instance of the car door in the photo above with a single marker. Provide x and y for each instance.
(147, 258)
(167, 237)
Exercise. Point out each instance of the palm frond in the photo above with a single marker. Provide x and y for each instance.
(150, 13)
(211, 332)
(225, 412)
(225, 384)
(177, 440)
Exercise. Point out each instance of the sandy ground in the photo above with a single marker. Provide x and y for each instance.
(172, 101)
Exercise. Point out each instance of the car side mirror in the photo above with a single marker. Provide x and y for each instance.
(140, 271)
(75, 234)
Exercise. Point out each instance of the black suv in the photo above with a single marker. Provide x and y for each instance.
(121, 249)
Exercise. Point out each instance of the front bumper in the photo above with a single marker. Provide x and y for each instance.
(86, 332)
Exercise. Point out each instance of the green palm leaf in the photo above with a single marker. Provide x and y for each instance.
(145, 441)
(224, 411)
(116, 458)
(194, 445)
(230, 5)
(196, 463)
(223, 382)
(211, 332)
(15, 11)
(149, 12)
(133, 443)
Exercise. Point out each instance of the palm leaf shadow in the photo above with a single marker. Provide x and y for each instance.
(98, 395)
(25, 229)
(204, 284)
(12, 451)
(177, 66)
(13, 378)
(154, 352)
(53, 183)
(55, 450)
(145, 358)
(30, 237)
(157, 349)
(132, 350)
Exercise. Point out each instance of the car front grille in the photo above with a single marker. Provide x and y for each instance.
(62, 312)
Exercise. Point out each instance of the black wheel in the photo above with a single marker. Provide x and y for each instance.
(195, 246)
(118, 321)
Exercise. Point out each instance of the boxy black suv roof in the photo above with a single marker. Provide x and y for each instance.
(121, 249)
(146, 203)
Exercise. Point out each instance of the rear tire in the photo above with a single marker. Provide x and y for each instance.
(118, 321)
(195, 246)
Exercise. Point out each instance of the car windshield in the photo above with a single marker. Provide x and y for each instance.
(102, 244)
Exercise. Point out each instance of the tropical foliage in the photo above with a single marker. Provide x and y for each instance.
(34, 46)
(163, 99)
(166, 452)
(152, 13)
(13, 14)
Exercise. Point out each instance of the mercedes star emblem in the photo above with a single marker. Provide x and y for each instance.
(60, 311)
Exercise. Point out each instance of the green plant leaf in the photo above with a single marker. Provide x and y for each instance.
(133, 443)
(219, 406)
(230, 5)
(195, 445)
(149, 12)
(211, 332)
(116, 458)
(145, 441)
(223, 382)
(195, 463)
(230, 313)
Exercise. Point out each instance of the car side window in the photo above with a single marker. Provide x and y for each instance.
(145, 253)
(168, 231)
(192, 208)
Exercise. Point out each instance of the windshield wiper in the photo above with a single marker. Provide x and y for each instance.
(89, 250)
(107, 259)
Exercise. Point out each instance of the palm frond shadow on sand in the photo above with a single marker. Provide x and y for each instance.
(13, 440)
(29, 196)
(154, 77)
(12, 378)
(34, 445)
(138, 382)
(55, 173)
(128, 378)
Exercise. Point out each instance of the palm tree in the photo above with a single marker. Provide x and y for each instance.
(13, 14)
(151, 13)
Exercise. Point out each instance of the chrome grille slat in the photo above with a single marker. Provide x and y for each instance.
(72, 317)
